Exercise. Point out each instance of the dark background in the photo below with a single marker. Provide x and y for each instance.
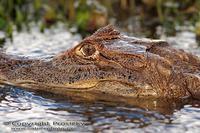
(141, 17)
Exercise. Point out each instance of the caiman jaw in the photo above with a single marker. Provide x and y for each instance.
(92, 85)
(32, 84)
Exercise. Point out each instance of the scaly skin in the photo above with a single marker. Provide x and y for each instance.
(109, 63)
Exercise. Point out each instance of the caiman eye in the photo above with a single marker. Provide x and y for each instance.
(88, 50)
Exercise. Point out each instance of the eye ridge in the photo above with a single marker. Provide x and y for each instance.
(88, 50)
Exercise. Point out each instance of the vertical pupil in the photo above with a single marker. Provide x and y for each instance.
(87, 50)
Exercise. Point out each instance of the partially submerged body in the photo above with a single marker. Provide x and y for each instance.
(109, 63)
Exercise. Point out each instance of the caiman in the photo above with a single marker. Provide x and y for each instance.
(109, 63)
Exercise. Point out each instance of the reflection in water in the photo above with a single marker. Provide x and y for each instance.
(20, 105)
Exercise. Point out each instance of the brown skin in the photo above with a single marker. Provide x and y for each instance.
(109, 63)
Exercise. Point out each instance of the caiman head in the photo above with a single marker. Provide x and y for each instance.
(106, 62)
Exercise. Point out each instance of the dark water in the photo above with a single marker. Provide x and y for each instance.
(27, 111)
